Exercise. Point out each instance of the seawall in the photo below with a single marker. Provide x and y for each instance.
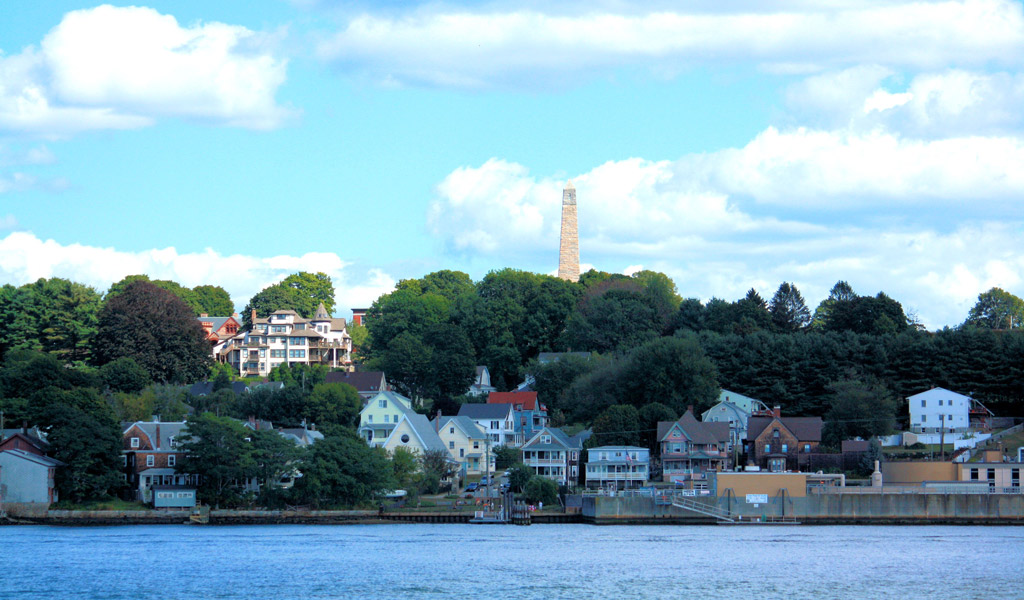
(877, 509)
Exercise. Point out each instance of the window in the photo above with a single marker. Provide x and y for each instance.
(924, 418)
(171, 459)
(124, 460)
(278, 329)
(297, 353)
(940, 402)
(807, 447)
(298, 341)
(785, 447)
(451, 430)
(382, 403)
(405, 438)
(369, 418)
(278, 353)
(172, 442)
(135, 442)
(451, 445)
(476, 445)
(974, 474)
(950, 418)
(924, 404)
(767, 448)
(462, 452)
(150, 460)
(575, 455)
(495, 424)
(545, 439)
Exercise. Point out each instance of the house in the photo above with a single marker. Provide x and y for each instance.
(26, 481)
(303, 437)
(22, 439)
(776, 443)
(690, 449)
(734, 409)
(380, 415)
(939, 410)
(482, 384)
(367, 383)
(219, 329)
(530, 415)
(497, 420)
(151, 453)
(414, 433)
(618, 467)
(466, 442)
(359, 316)
(287, 338)
(552, 454)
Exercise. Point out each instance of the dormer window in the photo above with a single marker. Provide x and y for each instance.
(135, 442)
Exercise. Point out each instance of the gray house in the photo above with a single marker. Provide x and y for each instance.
(26, 481)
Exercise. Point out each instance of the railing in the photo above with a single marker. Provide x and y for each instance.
(544, 462)
(618, 476)
(912, 489)
(701, 508)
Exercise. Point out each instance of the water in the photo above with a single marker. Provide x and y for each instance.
(481, 561)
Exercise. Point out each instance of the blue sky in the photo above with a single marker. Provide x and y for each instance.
(232, 143)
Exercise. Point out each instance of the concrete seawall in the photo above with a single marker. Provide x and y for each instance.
(974, 509)
(217, 517)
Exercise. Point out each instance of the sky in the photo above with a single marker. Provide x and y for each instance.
(729, 145)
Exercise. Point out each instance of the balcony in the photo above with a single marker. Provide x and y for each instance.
(617, 476)
(544, 462)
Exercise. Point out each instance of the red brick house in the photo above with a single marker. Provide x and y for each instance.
(219, 329)
(775, 443)
(150, 455)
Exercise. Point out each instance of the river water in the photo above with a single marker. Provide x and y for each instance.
(503, 561)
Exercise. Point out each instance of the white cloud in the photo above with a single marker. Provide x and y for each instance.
(466, 48)
(122, 67)
(25, 258)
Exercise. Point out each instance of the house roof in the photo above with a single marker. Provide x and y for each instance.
(550, 357)
(805, 429)
(745, 403)
(467, 425)
(937, 392)
(167, 431)
(404, 404)
(285, 312)
(337, 324)
(485, 411)
(321, 313)
(580, 438)
(424, 431)
(46, 461)
(527, 399)
(215, 322)
(205, 388)
(36, 442)
(558, 440)
(366, 381)
(301, 436)
(696, 431)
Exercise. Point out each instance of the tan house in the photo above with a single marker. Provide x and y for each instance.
(466, 443)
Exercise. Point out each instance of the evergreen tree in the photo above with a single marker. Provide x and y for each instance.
(788, 311)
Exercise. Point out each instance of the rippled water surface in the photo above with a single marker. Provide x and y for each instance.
(540, 561)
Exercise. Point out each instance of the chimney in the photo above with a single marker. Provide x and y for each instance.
(437, 422)
(203, 315)
(689, 408)
(158, 435)
(253, 318)
(777, 411)
(235, 315)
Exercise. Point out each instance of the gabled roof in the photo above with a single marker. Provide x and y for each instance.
(486, 411)
(167, 431)
(366, 381)
(37, 443)
(736, 412)
(938, 392)
(45, 461)
(467, 425)
(321, 313)
(337, 324)
(404, 404)
(422, 429)
(527, 399)
(745, 403)
(558, 440)
(205, 388)
(805, 429)
(581, 438)
(301, 436)
(695, 431)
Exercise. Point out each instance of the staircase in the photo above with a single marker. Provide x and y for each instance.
(722, 515)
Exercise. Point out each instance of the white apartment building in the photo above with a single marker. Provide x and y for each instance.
(939, 409)
(285, 337)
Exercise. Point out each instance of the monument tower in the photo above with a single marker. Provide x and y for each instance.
(569, 249)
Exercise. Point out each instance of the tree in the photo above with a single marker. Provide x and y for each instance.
(877, 315)
(841, 292)
(51, 315)
(541, 489)
(157, 330)
(435, 466)
(552, 381)
(618, 425)
(673, 371)
(404, 466)
(217, 450)
(335, 404)
(213, 300)
(313, 288)
(519, 475)
(859, 407)
(274, 298)
(788, 311)
(649, 417)
(505, 457)
(614, 318)
(124, 375)
(275, 457)
(996, 309)
(341, 470)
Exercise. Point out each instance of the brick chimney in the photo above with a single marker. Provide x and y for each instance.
(157, 436)
(203, 315)
(253, 318)
(689, 408)
(777, 412)
(437, 422)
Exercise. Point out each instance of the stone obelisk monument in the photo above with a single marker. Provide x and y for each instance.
(569, 249)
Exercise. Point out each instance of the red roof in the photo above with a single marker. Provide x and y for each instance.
(527, 399)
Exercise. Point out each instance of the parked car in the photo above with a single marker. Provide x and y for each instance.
(471, 487)
(483, 480)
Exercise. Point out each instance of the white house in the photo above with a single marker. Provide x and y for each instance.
(552, 454)
(734, 409)
(287, 338)
(497, 420)
(623, 467)
(380, 415)
(939, 409)
(27, 479)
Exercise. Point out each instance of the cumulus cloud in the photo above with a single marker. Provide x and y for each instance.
(25, 258)
(466, 48)
(123, 67)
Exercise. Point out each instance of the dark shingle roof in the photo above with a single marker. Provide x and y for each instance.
(205, 388)
(368, 381)
(698, 432)
(485, 411)
(804, 428)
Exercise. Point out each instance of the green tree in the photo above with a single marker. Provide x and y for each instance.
(404, 467)
(274, 457)
(157, 330)
(788, 311)
(649, 416)
(673, 371)
(996, 309)
(541, 489)
(505, 457)
(52, 315)
(614, 318)
(219, 451)
(553, 380)
(214, 300)
(519, 476)
(841, 292)
(435, 466)
(618, 425)
(334, 404)
(124, 375)
(341, 470)
(313, 288)
(859, 408)
(274, 298)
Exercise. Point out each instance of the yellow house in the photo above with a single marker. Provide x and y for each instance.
(465, 441)
(414, 433)
(381, 415)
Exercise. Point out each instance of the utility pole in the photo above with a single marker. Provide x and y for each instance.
(942, 436)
